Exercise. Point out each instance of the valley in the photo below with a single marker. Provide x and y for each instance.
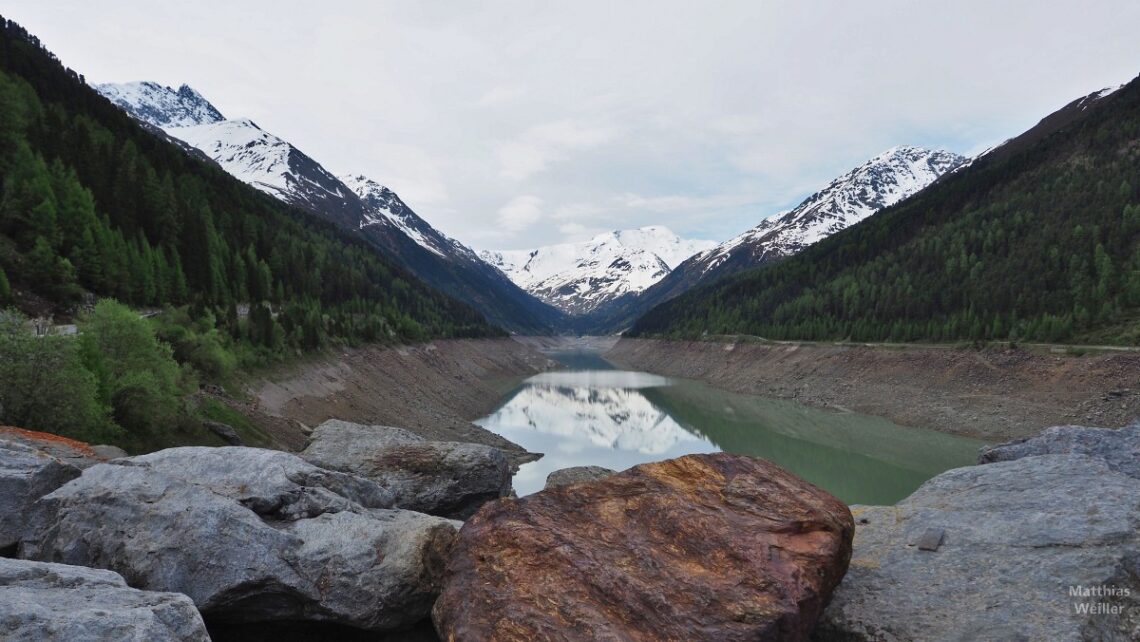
(691, 361)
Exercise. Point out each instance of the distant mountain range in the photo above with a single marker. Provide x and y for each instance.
(276, 167)
(1035, 239)
(882, 181)
(600, 285)
(578, 278)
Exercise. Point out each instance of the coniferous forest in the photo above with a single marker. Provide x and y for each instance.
(94, 207)
(1035, 241)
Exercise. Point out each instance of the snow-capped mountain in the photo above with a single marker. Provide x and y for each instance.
(384, 207)
(579, 277)
(161, 106)
(880, 182)
(356, 203)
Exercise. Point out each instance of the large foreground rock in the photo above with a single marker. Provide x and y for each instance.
(26, 474)
(446, 478)
(704, 547)
(249, 535)
(1018, 538)
(1120, 448)
(53, 602)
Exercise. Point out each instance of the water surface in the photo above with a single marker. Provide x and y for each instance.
(593, 414)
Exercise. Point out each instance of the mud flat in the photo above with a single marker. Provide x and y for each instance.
(433, 389)
(995, 395)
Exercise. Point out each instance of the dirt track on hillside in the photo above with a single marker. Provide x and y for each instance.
(992, 394)
(434, 389)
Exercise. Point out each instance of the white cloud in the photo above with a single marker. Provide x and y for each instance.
(544, 144)
(520, 213)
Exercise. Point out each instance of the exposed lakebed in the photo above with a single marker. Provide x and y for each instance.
(593, 414)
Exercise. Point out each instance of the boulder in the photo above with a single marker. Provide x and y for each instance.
(1020, 543)
(26, 474)
(45, 602)
(1119, 447)
(575, 474)
(69, 451)
(225, 432)
(445, 478)
(250, 535)
(704, 547)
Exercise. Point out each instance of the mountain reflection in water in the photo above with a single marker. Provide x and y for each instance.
(617, 419)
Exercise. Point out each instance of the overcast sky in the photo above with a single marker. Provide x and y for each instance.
(515, 124)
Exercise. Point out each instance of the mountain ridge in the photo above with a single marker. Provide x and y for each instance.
(276, 167)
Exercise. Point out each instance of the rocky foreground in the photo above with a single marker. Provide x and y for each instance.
(1040, 541)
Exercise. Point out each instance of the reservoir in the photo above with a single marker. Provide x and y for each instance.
(593, 414)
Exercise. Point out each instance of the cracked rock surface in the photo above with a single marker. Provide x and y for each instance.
(1019, 535)
(250, 535)
(53, 602)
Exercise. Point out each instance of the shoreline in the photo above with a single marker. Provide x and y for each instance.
(993, 395)
(434, 389)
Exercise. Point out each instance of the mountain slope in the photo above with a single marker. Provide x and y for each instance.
(1037, 239)
(882, 181)
(579, 277)
(356, 203)
(94, 203)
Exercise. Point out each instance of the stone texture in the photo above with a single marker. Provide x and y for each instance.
(1119, 447)
(225, 432)
(250, 535)
(445, 478)
(703, 547)
(576, 474)
(69, 451)
(1018, 535)
(53, 602)
(26, 474)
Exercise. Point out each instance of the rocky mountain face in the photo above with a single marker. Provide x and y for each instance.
(882, 181)
(354, 202)
(578, 278)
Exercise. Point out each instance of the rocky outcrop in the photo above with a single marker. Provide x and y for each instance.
(54, 602)
(69, 451)
(1026, 546)
(445, 478)
(250, 535)
(575, 474)
(704, 547)
(1120, 448)
(26, 474)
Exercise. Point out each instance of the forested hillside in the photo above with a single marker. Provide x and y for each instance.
(1036, 240)
(101, 221)
(90, 202)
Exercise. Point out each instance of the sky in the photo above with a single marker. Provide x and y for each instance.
(510, 125)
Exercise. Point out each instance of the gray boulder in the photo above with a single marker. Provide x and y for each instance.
(26, 474)
(1021, 541)
(575, 474)
(46, 602)
(225, 432)
(250, 535)
(1119, 447)
(445, 478)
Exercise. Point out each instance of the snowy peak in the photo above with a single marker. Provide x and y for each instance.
(161, 106)
(384, 207)
(881, 182)
(579, 277)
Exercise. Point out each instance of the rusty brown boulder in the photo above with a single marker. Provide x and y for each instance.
(704, 547)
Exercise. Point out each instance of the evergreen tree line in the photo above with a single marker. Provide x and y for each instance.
(1039, 243)
(90, 202)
